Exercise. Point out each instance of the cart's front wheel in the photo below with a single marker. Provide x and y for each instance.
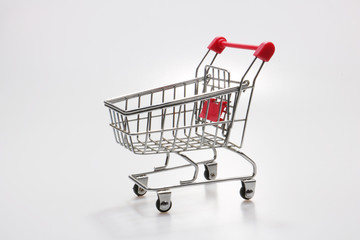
(139, 191)
(243, 194)
(163, 206)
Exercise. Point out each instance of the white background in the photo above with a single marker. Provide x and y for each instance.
(62, 176)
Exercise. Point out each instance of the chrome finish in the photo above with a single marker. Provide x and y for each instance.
(144, 180)
(253, 164)
(215, 155)
(252, 91)
(167, 120)
(212, 169)
(249, 188)
(165, 165)
(192, 182)
(161, 115)
(165, 200)
(202, 60)
(195, 172)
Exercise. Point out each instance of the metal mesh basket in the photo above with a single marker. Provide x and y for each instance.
(190, 115)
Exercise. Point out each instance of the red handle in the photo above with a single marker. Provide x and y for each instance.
(264, 51)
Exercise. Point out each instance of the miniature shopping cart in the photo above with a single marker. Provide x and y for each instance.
(191, 115)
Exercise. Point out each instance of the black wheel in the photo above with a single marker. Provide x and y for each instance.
(243, 192)
(163, 210)
(206, 174)
(138, 190)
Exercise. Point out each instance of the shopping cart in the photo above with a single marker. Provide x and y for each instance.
(192, 115)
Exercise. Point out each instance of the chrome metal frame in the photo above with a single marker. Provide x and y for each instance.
(166, 120)
(135, 177)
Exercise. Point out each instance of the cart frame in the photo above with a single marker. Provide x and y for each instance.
(148, 123)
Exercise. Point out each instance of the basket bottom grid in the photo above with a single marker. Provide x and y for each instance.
(191, 143)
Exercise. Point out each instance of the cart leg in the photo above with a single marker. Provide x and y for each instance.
(193, 164)
(139, 190)
(247, 190)
(165, 165)
(244, 156)
(214, 158)
(163, 204)
(210, 172)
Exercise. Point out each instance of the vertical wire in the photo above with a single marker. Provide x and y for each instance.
(128, 126)
(126, 142)
(151, 103)
(184, 109)
(117, 131)
(237, 99)
(138, 119)
(213, 78)
(218, 119)
(177, 127)
(112, 124)
(163, 117)
(218, 79)
(203, 125)
(130, 137)
(174, 96)
(197, 69)
(147, 131)
(250, 98)
(191, 124)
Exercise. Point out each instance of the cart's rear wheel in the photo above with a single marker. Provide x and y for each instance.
(210, 171)
(139, 191)
(206, 174)
(163, 206)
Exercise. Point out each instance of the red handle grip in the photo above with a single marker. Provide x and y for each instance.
(264, 51)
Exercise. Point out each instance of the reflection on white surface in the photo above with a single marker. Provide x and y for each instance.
(249, 212)
(139, 217)
(135, 220)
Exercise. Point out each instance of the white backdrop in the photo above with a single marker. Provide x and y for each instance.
(63, 177)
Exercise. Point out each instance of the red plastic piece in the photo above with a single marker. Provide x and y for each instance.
(214, 108)
(264, 51)
(238, 45)
(216, 45)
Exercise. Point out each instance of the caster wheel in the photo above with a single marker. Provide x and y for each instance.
(247, 189)
(163, 206)
(206, 174)
(242, 194)
(139, 191)
(210, 171)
